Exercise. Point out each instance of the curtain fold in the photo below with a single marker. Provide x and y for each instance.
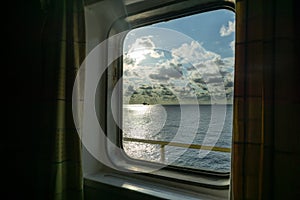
(266, 156)
(63, 46)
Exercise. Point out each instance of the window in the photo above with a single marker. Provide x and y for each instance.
(145, 113)
(177, 91)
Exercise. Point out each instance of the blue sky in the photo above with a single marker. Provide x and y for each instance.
(181, 60)
(205, 28)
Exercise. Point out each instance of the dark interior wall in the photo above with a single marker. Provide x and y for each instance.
(21, 79)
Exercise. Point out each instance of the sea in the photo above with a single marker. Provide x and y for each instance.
(206, 125)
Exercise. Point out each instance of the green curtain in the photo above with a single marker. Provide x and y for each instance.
(63, 50)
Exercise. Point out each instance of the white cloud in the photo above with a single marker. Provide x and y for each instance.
(227, 30)
(232, 45)
(142, 46)
(190, 69)
(142, 43)
(193, 53)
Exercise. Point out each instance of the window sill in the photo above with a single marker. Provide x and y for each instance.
(139, 184)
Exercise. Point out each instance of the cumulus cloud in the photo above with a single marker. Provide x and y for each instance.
(138, 50)
(184, 72)
(170, 72)
(142, 43)
(159, 77)
(228, 29)
(193, 53)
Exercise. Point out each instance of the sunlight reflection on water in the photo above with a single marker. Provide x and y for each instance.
(157, 122)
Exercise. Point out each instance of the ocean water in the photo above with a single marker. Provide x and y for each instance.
(209, 125)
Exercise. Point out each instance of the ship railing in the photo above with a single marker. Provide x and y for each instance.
(176, 144)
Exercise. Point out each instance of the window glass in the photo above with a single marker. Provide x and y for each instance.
(178, 91)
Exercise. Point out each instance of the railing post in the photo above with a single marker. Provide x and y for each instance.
(162, 153)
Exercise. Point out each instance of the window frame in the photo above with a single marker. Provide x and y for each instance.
(167, 172)
(96, 173)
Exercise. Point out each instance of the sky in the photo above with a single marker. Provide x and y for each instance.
(184, 61)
